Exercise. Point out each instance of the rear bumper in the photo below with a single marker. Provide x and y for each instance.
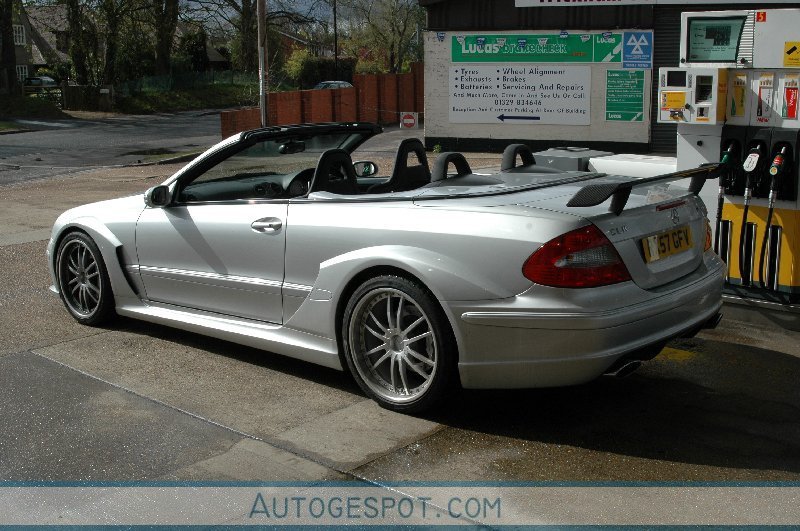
(503, 345)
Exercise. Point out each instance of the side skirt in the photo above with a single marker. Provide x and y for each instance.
(264, 336)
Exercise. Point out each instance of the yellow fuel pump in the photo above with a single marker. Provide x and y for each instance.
(737, 102)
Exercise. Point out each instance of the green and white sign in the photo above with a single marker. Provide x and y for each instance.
(625, 95)
(538, 48)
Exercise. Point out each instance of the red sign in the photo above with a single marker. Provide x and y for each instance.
(790, 101)
(408, 121)
(761, 16)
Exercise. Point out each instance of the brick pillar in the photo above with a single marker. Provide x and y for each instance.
(418, 69)
(406, 93)
(388, 99)
(345, 105)
(368, 104)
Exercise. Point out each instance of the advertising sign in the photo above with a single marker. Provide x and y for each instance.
(637, 49)
(625, 95)
(538, 48)
(503, 94)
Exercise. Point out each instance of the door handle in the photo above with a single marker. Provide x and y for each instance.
(266, 225)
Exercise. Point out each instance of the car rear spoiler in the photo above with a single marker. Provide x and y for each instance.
(595, 194)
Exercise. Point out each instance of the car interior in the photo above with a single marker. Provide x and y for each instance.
(336, 173)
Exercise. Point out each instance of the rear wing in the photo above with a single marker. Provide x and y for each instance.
(596, 194)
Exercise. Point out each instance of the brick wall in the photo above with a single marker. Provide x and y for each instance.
(374, 98)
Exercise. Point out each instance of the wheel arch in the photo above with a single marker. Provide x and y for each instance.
(110, 248)
(373, 271)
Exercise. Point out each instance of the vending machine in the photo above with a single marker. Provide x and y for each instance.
(734, 97)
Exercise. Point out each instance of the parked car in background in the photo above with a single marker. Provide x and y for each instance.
(525, 277)
(332, 85)
(40, 82)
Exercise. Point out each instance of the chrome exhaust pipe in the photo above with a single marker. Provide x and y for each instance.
(625, 369)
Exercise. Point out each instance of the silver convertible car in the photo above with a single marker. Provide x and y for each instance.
(413, 282)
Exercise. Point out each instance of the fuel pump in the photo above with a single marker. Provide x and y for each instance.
(729, 160)
(752, 167)
(776, 170)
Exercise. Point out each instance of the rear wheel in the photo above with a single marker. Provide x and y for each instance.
(83, 280)
(398, 343)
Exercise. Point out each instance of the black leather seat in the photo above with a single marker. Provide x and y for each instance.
(334, 174)
(405, 177)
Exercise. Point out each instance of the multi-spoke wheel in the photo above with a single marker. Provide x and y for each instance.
(83, 280)
(398, 343)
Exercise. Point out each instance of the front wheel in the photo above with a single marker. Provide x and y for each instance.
(83, 280)
(398, 344)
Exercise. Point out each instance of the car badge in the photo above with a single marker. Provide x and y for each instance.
(674, 216)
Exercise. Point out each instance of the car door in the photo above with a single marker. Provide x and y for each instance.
(219, 245)
(225, 258)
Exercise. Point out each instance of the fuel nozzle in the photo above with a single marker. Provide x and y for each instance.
(727, 155)
(777, 166)
(749, 166)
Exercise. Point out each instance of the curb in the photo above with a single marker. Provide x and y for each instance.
(172, 160)
(14, 131)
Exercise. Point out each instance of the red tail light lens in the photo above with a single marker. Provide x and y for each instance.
(582, 258)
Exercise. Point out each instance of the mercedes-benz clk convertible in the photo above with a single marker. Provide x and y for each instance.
(414, 282)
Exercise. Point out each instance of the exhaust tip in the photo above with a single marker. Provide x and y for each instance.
(625, 369)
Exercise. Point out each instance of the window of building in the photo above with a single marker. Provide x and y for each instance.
(19, 34)
(22, 72)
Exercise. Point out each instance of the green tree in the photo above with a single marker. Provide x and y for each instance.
(8, 60)
(192, 48)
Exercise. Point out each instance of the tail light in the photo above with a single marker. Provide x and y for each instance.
(708, 236)
(582, 258)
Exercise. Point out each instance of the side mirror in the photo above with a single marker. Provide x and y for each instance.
(157, 196)
(365, 168)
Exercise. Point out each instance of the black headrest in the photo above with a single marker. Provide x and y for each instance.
(337, 160)
(444, 160)
(510, 156)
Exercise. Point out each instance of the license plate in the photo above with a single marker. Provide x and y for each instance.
(667, 243)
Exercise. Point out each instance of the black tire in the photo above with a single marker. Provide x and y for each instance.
(83, 280)
(405, 357)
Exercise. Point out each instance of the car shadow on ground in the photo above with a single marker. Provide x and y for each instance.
(253, 356)
(716, 404)
(711, 403)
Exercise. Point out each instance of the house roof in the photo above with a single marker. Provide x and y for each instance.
(46, 22)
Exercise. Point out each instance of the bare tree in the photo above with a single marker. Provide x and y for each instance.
(115, 14)
(165, 20)
(241, 16)
(385, 25)
(77, 43)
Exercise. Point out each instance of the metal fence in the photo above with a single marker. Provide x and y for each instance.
(185, 80)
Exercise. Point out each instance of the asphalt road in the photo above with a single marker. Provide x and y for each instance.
(59, 147)
(134, 401)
